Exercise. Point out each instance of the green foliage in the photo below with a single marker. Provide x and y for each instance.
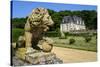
(18, 22)
(71, 41)
(16, 32)
(90, 18)
(57, 20)
(58, 34)
(52, 34)
(51, 11)
(96, 37)
(87, 39)
(90, 34)
(79, 43)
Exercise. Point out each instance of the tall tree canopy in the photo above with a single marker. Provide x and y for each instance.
(90, 18)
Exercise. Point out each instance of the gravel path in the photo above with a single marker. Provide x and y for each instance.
(74, 55)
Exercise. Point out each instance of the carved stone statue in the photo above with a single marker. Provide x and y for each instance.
(37, 23)
(28, 50)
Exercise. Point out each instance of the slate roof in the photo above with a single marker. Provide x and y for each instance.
(72, 19)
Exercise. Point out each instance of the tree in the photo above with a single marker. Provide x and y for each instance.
(89, 16)
(18, 22)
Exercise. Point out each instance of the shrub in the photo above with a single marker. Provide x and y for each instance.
(96, 37)
(87, 39)
(71, 41)
(90, 34)
(52, 34)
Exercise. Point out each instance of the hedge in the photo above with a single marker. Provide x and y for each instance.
(16, 32)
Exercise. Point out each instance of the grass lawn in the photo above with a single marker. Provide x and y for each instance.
(79, 43)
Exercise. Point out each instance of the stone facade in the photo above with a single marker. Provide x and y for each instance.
(72, 23)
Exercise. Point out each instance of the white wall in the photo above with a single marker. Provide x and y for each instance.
(67, 27)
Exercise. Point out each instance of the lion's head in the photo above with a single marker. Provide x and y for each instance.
(40, 18)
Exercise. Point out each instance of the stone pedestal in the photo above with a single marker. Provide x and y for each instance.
(34, 57)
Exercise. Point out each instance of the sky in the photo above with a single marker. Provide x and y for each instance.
(24, 8)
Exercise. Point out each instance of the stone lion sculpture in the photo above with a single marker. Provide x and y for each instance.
(37, 23)
(26, 48)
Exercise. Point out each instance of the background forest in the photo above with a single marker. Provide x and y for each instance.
(90, 18)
